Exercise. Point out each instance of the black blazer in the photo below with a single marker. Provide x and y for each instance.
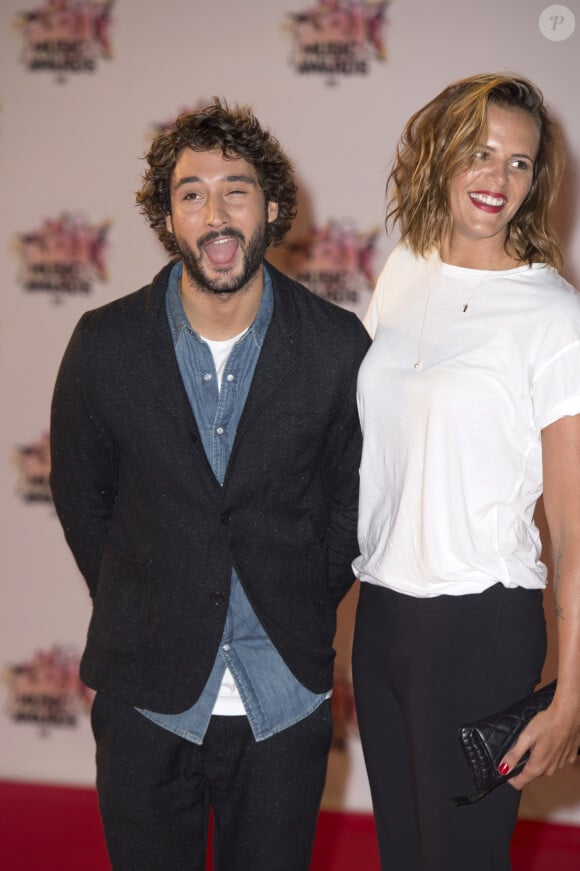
(151, 529)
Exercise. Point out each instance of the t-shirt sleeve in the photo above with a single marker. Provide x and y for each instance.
(371, 318)
(556, 377)
(373, 315)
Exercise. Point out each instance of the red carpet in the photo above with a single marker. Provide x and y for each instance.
(48, 828)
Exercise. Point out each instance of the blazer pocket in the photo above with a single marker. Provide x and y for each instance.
(121, 606)
(298, 444)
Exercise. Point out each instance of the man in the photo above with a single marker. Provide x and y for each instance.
(205, 452)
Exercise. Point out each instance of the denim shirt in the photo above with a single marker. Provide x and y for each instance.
(273, 698)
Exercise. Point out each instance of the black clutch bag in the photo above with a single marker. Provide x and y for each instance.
(486, 742)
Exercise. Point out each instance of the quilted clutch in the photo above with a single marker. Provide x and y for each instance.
(486, 742)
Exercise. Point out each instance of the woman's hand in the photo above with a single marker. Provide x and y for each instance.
(553, 739)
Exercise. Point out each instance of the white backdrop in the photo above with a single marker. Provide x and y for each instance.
(70, 148)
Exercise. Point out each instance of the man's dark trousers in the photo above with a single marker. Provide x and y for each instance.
(155, 789)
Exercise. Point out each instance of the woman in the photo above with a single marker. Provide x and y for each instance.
(470, 406)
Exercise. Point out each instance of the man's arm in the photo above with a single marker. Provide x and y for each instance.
(83, 476)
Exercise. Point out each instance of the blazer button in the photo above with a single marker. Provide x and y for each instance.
(226, 517)
(217, 598)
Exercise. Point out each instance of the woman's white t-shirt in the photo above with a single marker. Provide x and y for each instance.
(452, 467)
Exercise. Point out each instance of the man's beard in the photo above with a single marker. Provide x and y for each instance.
(253, 255)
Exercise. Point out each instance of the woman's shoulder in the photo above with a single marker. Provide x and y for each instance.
(547, 309)
(402, 265)
(549, 289)
(402, 255)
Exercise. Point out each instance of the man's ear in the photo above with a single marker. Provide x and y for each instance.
(272, 211)
(169, 224)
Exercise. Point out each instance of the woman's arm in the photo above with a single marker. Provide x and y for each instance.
(553, 736)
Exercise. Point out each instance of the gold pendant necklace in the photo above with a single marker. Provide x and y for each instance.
(418, 364)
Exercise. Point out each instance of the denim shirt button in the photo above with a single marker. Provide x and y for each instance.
(226, 517)
(217, 598)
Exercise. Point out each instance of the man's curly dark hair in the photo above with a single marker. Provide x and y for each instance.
(235, 132)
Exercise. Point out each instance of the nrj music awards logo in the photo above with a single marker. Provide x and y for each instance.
(33, 464)
(46, 690)
(338, 37)
(335, 263)
(64, 256)
(67, 36)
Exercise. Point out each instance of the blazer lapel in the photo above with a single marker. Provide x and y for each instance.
(156, 356)
(277, 361)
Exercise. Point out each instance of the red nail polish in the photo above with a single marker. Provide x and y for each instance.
(504, 768)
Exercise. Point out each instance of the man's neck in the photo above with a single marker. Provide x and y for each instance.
(221, 316)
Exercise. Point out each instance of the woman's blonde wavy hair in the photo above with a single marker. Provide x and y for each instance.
(441, 139)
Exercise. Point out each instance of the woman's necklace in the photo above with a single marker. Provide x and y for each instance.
(418, 364)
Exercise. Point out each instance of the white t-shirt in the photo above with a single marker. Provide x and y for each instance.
(452, 467)
(229, 701)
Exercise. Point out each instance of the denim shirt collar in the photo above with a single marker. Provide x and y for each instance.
(178, 319)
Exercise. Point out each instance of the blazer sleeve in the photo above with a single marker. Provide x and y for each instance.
(344, 452)
(83, 475)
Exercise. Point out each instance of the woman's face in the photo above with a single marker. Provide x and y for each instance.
(484, 197)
